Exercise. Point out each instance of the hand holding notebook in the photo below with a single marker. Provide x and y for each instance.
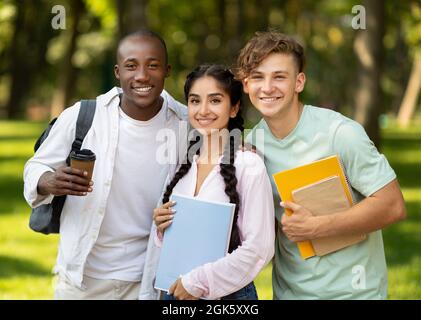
(312, 185)
(325, 197)
(200, 233)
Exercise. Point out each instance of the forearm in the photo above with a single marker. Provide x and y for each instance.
(32, 174)
(362, 218)
(373, 213)
(227, 275)
(42, 186)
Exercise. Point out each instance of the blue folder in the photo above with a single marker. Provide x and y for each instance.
(200, 233)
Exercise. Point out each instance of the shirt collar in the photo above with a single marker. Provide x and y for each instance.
(173, 105)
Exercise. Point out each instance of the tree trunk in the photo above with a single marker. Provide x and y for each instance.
(368, 48)
(68, 72)
(235, 43)
(17, 67)
(32, 32)
(131, 16)
(407, 108)
(121, 9)
(222, 14)
(263, 7)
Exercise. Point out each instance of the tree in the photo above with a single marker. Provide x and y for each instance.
(368, 48)
(68, 72)
(32, 31)
(407, 108)
(131, 15)
(413, 38)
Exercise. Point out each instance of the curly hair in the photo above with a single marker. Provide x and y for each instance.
(261, 45)
(234, 89)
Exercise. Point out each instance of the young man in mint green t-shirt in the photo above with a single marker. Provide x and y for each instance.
(271, 68)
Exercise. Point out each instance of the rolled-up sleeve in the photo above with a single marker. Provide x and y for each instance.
(51, 154)
(256, 223)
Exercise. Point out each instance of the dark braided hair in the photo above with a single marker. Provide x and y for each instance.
(234, 88)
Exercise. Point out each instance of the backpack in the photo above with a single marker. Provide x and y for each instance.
(46, 218)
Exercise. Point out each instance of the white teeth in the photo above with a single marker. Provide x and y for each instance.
(143, 89)
(269, 99)
(205, 121)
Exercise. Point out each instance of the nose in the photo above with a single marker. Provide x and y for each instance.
(267, 85)
(204, 109)
(142, 74)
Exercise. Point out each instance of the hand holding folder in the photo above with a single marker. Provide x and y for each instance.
(200, 234)
(325, 197)
(322, 188)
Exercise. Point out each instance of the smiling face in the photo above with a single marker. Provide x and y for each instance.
(209, 106)
(142, 69)
(273, 86)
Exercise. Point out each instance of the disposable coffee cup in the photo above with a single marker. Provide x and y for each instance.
(83, 160)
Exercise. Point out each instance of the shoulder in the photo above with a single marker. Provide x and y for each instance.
(350, 128)
(174, 106)
(248, 162)
(322, 116)
(332, 123)
(69, 115)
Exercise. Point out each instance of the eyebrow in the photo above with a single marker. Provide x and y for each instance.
(217, 94)
(209, 95)
(131, 59)
(274, 72)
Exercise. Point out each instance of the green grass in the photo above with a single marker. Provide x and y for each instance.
(27, 258)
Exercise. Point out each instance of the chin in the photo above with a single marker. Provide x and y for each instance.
(204, 131)
(266, 112)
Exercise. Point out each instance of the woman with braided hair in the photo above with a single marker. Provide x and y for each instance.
(216, 169)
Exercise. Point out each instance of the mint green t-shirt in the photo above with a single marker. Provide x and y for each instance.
(358, 271)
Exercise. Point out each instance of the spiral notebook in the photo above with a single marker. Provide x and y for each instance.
(200, 233)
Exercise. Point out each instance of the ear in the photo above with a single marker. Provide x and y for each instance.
(300, 82)
(234, 110)
(117, 72)
(168, 72)
(245, 85)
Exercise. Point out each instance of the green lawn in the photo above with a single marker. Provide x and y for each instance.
(26, 258)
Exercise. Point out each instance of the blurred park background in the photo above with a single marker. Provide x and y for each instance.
(363, 59)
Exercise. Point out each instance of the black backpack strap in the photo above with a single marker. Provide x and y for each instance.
(83, 123)
(44, 135)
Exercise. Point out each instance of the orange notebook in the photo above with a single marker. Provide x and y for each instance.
(296, 178)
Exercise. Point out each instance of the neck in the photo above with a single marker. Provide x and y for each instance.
(141, 113)
(213, 147)
(282, 125)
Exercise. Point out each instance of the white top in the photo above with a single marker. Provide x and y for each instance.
(82, 217)
(256, 223)
(120, 249)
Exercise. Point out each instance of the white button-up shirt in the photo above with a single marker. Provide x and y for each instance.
(81, 217)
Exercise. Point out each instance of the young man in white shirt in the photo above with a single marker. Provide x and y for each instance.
(105, 223)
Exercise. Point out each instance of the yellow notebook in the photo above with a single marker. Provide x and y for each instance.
(292, 179)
